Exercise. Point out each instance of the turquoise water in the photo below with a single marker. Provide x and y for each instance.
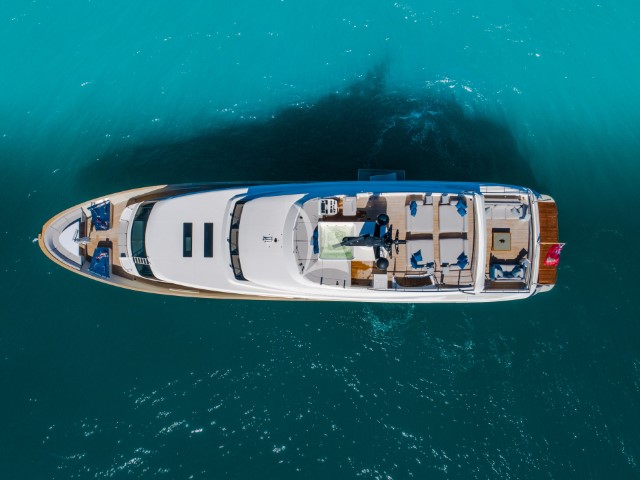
(97, 97)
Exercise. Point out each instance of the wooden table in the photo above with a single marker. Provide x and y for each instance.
(501, 241)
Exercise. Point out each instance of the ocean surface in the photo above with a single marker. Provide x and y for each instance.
(98, 382)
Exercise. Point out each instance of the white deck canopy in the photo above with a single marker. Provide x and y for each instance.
(266, 240)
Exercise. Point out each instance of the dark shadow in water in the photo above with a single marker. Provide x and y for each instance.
(430, 136)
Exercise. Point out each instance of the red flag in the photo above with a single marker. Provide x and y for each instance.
(553, 255)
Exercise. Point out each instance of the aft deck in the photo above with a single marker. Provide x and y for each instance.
(509, 241)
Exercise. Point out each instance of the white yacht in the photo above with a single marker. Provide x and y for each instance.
(375, 241)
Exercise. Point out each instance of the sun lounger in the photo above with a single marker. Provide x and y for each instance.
(419, 218)
(420, 254)
(451, 219)
(454, 252)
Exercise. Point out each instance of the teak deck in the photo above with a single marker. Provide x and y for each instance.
(548, 217)
(395, 205)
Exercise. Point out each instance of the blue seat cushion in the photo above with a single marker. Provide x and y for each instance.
(314, 241)
(418, 255)
(414, 263)
(492, 271)
(413, 208)
(463, 260)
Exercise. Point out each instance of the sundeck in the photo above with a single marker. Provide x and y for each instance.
(378, 241)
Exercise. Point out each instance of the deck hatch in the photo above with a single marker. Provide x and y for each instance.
(208, 240)
(187, 239)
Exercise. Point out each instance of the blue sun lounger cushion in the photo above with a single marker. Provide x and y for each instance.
(101, 215)
(100, 262)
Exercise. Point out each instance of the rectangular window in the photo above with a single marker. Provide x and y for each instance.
(208, 240)
(187, 239)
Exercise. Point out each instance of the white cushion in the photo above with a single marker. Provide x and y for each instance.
(426, 246)
(450, 220)
(349, 208)
(504, 212)
(451, 248)
(422, 222)
(380, 281)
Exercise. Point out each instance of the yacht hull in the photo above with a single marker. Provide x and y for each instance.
(73, 239)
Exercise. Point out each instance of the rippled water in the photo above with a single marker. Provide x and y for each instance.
(98, 97)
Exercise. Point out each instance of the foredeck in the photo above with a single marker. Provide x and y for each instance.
(106, 238)
(548, 218)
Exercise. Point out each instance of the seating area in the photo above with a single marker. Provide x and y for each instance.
(453, 217)
(420, 254)
(435, 231)
(508, 230)
(419, 217)
(437, 234)
(511, 272)
(506, 211)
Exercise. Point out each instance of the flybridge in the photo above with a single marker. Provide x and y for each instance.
(377, 241)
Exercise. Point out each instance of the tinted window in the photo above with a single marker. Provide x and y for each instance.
(208, 239)
(187, 239)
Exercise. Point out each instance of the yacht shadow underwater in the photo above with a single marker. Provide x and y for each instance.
(430, 136)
